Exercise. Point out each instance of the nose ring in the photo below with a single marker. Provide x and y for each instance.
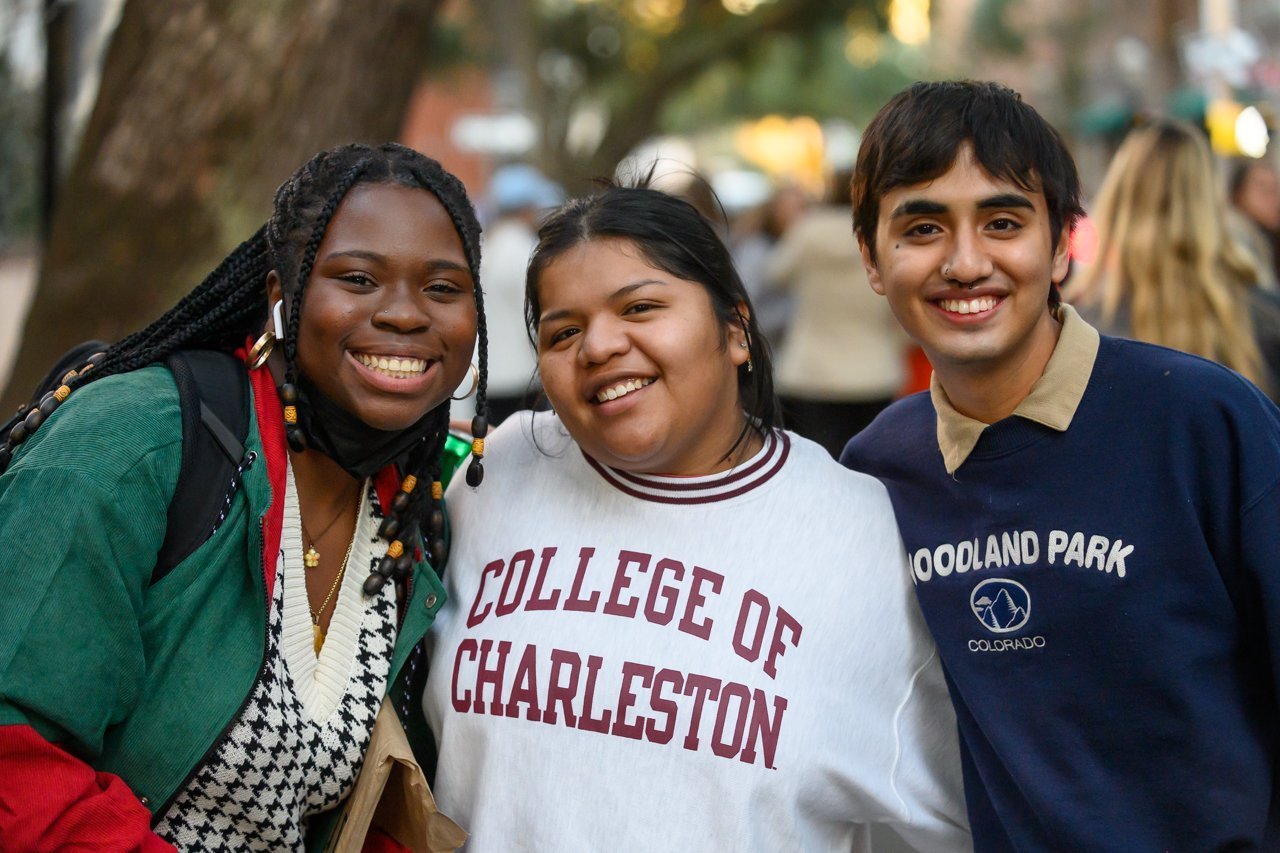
(946, 271)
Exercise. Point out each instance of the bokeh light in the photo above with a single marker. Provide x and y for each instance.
(909, 21)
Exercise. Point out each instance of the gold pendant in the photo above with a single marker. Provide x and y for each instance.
(311, 559)
(319, 637)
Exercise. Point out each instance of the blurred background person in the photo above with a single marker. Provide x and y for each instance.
(1254, 189)
(843, 357)
(1167, 270)
(756, 235)
(518, 195)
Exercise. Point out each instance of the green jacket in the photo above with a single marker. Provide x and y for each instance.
(138, 680)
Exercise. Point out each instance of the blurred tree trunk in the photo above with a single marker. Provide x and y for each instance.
(205, 107)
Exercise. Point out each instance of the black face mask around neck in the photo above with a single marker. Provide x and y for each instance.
(360, 450)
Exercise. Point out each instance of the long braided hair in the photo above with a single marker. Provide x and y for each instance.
(230, 305)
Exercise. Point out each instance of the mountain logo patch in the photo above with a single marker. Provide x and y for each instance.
(1001, 605)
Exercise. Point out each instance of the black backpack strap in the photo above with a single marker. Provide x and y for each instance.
(213, 393)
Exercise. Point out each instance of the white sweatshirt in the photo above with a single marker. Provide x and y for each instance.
(733, 662)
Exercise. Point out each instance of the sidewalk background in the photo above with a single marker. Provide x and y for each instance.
(17, 285)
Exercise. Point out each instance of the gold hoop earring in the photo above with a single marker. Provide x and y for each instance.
(261, 349)
(475, 383)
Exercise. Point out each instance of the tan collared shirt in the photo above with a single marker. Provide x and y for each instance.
(1053, 399)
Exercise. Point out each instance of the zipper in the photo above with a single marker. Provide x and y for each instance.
(159, 813)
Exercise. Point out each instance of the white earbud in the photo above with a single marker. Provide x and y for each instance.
(277, 319)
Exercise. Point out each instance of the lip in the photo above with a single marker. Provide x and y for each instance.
(388, 384)
(623, 403)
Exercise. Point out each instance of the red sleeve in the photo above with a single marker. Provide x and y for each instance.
(50, 800)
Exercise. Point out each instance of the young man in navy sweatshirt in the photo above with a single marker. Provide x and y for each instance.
(1093, 524)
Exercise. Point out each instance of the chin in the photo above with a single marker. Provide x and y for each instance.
(393, 421)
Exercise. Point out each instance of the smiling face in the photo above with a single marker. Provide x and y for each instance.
(635, 362)
(965, 261)
(389, 316)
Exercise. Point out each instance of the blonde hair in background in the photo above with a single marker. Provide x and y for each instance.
(1164, 254)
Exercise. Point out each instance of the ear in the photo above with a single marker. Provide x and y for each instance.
(275, 290)
(873, 274)
(1062, 256)
(739, 336)
(275, 304)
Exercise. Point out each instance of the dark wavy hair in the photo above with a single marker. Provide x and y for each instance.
(672, 236)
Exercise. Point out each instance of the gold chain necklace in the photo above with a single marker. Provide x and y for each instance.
(317, 632)
(311, 558)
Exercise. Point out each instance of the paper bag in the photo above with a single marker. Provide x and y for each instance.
(392, 793)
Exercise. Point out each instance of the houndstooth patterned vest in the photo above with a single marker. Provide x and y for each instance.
(293, 753)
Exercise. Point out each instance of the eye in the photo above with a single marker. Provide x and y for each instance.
(923, 229)
(1004, 223)
(358, 278)
(561, 335)
(443, 285)
(640, 308)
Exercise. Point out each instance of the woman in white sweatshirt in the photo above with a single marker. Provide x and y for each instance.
(672, 625)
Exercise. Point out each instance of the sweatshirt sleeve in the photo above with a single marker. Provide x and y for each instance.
(1260, 554)
(926, 779)
(50, 800)
(1255, 581)
(82, 516)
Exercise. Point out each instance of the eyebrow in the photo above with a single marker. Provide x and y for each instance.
(923, 207)
(917, 207)
(374, 257)
(621, 291)
(1006, 200)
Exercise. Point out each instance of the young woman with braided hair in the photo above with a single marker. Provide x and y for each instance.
(227, 705)
(691, 630)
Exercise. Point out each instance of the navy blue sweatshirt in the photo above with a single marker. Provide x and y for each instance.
(1106, 603)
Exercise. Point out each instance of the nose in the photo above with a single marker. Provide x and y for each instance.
(602, 340)
(967, 262)
(401, 310)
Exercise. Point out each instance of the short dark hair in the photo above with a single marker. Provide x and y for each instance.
(916, 136)
(672, 235)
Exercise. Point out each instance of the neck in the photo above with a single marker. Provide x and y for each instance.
(990, 393)
(750, 446)
(323, 486)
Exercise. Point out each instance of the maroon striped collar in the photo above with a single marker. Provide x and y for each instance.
(754, 472)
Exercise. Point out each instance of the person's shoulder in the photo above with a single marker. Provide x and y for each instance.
(524, 442)
(824, 478)
(903, 427)
(140, 405)
(106, 427)
(527, 431)
(1171, 379)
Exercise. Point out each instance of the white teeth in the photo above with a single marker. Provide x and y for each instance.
(395, 367)
(969, 306)
(621, 389)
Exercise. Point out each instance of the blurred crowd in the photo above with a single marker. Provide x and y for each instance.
(1182, 250)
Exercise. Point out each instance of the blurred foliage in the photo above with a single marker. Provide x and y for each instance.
(794, 75)
(19, 157)
(992, 31)
(649, 66)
